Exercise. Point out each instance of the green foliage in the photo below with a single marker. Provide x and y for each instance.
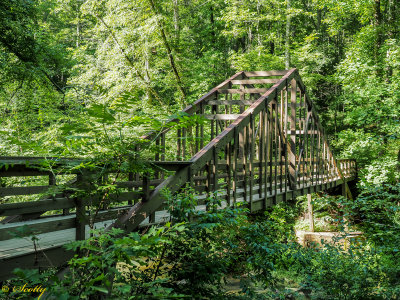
(88, 78)
(197, 258)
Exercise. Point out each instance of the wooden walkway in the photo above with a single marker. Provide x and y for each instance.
(254, 138)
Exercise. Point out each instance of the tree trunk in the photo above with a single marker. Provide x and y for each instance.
(390, 31)
(176, 21)
(378, 43)
(170, 56)
(287, 37)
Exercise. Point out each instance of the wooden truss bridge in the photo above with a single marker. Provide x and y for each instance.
(256, 139)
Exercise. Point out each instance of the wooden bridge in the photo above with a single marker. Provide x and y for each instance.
(255, 138)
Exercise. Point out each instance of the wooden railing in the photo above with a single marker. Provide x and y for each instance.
(255, 138)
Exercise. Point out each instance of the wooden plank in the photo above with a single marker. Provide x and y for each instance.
(51, 257)
(266, 73)
(10, 209)
(230, 102)
(19, 172)
(23, 190)
(255, 81)
(43, 225)
(170, 165)
(243, 91)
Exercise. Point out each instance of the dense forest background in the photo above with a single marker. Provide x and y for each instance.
(79, 77)
(87, 78)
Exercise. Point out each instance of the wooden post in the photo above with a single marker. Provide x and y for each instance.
(146, 194)
(229, 170)
(235, 158)
(215, 169)
(292, 149)
(261, 156)
(251, 166)
(310, 212)
(80, 219)
(275, 151)
(130, 179)
(178, 154)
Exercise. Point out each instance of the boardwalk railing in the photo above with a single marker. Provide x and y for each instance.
(255, 138)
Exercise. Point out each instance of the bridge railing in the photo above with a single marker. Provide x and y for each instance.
(256, 138)
(53, 194)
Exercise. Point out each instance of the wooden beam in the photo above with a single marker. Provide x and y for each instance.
(220, 116)
(243, 91)
(51, 257)
(230, 102)
(23, 190)
(266, 73)
(254, 81)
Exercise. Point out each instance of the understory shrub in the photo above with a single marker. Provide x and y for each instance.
(196, 259)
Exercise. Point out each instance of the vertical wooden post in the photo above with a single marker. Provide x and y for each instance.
(275, 151)
(146, 193)
(285, 130)
(208, 180)
(212, 120)
(311, 156)
(271, 148)
(251, 166)
(215, 169)
(292, 149)
(196, 139)
(201, 127)
(157, 156)
(266, 152)
(80, 219)
(245, 161)
(319, 158)
(130, 179)
(310, 212)
(178, 135)
(261, 155)
(145, 187)
(235, 157)
(229, 170)
(184, 138)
